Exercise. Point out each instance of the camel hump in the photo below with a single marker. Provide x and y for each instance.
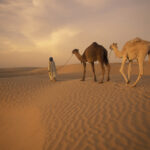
(94, 44)
(137, 39)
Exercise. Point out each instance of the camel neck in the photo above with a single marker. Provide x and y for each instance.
(78, 56)
(117, 52)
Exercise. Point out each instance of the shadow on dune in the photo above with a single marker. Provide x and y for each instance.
(145, 80)
(69, 76)
(113, 78)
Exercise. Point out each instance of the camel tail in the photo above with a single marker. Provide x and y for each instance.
(149, 55)
(105, 58)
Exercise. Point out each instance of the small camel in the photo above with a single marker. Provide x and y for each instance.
(133, 49)
(94, 52)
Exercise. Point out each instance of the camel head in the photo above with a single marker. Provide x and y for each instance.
(75, 51)
(112, 46)
(77, 54)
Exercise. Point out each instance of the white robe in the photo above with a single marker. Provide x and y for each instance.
(52, 70)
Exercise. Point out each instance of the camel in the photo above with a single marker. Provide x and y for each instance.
(135, 49)
(94, 52)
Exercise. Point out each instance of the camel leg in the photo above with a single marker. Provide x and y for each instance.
(140, 73)
(103, 72)
(84, 72)
(93, 69)
(122, 69)
(108, 71)
(129, 71)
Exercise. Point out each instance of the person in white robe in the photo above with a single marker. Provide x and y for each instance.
(52, 69)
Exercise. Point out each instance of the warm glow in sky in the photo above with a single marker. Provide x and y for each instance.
(33, 30)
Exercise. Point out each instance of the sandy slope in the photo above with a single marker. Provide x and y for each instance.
(36, 114)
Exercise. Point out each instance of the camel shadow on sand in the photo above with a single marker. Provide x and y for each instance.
(145, 80)
(69, 76)
(114, 78)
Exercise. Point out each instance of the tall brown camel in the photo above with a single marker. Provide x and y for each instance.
(133, 49)
(94, 52)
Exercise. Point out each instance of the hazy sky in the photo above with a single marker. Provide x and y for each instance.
(33, 30)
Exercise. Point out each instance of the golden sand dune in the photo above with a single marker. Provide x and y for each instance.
(36, 114)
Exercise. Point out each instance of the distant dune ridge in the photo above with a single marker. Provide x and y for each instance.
(37, 114)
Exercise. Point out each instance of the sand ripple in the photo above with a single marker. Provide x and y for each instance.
(36, 114)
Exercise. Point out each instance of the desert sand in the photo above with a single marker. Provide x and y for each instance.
(37, 114)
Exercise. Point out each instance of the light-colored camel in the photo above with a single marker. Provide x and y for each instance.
(94, 52)
(133, 49)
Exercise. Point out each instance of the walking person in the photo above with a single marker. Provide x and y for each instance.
(52, 69)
